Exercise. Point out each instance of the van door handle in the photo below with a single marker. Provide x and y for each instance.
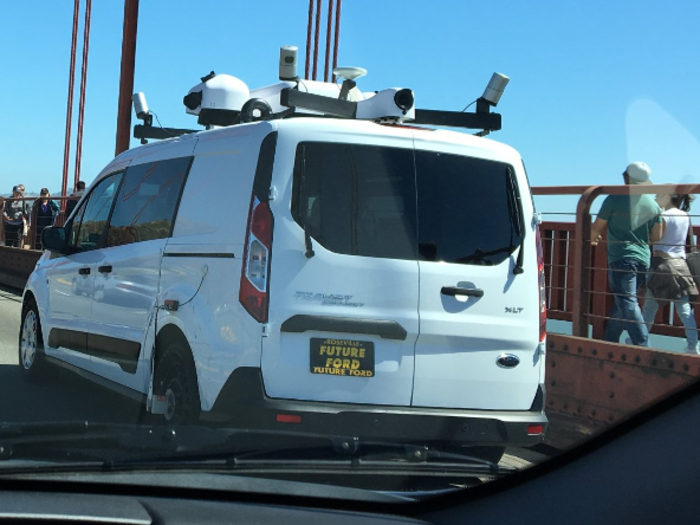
(84, 271)
(105, 269)
(456, 290)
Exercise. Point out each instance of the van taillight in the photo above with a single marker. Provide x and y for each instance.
(255, 274)
(543, 293)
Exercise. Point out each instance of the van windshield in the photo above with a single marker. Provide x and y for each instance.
(377, 201)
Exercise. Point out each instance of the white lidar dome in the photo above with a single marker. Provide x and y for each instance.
(224, 92)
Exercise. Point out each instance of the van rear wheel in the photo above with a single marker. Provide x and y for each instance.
(176, 380)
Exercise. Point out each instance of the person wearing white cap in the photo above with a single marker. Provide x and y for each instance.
(632, 223)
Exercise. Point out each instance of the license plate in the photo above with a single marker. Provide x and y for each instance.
(342, 357)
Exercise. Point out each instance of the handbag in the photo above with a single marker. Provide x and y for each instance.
(670, 279)
(693, 257)
(693, 260)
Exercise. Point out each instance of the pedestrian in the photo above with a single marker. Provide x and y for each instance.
(632, 223)
(28, 213)
(46, 213)
(669, 278)
(15, 218)
(75, 197)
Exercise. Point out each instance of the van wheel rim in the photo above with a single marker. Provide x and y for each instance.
(28, 345)
(172, 404)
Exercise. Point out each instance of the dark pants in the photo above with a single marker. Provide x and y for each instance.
(625, 276)
(13, 235)
(37, 238)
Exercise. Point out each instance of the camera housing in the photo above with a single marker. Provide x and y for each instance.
(141, 109)
(494, 89)
(288, 63)
(140, 105)
(217, 100)
(394, 104)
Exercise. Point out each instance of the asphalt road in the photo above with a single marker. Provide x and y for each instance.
(63, 396)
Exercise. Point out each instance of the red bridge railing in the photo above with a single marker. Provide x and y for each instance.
(30, 239)
(576, 272)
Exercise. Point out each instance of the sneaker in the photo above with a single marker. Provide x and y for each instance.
(693, 349)
(628, 341)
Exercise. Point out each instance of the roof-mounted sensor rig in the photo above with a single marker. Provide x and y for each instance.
(224, 100)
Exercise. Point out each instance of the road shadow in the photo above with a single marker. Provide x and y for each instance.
(60, 396)
(8, 290)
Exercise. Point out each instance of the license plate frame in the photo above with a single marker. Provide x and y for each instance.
(341, 357)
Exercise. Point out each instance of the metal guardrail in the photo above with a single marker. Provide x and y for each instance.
(592, 383)
(16, 264)
(576, 272)
(29, 240)
(558, 239)
(576, 278)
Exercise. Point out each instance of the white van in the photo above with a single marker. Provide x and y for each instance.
(321, 274)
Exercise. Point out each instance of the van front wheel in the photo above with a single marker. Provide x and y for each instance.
(176, 380)
(31, 344)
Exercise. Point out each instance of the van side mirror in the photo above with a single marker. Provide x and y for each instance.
(54, 239)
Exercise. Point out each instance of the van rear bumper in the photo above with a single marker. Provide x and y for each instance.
(243, 401)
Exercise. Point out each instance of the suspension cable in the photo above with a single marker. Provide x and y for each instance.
(83, 86)
(71, 88)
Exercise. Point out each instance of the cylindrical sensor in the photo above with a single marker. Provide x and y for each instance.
(497, 84)
(288, 63)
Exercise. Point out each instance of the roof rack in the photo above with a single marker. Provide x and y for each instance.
(224, 100)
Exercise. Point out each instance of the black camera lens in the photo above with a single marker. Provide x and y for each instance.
(404, 100)
(193, 100)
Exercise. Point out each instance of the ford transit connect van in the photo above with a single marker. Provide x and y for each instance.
(336, 275)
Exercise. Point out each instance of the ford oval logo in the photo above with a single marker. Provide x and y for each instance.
(508, 361)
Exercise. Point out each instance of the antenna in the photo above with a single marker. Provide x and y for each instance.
(349, 74)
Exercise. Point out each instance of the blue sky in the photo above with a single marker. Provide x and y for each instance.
(594, 85)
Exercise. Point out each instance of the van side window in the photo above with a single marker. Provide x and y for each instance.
(356, 199)
(468, 209)
(145, 207)
(89, 222)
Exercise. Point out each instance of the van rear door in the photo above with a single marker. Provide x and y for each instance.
(479, 320)
(343, 320)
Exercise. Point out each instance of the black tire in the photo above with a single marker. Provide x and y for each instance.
(176, 379)
(32, 362)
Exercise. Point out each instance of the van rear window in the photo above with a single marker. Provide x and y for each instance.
(468, 209)
(395, 203)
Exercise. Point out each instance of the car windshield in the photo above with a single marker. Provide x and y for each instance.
(442, 247)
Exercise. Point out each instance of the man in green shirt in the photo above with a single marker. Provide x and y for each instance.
(633, 222)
